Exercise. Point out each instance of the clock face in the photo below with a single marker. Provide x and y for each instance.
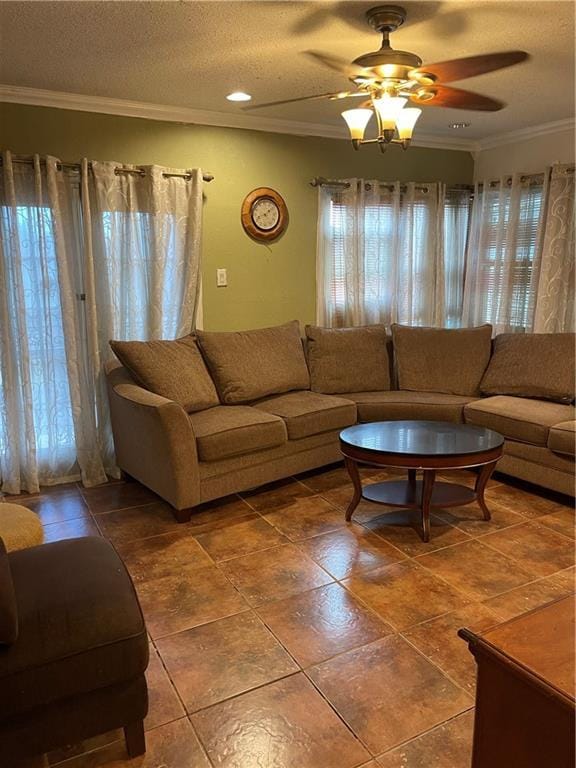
(265, 213)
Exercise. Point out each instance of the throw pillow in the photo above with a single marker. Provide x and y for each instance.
(539, 365)
(173, 369)
(248, 365)
(348, 359)
(445, 360)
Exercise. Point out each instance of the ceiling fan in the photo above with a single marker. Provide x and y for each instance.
(388, 79)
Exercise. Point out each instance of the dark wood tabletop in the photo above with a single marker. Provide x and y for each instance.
(421, 438)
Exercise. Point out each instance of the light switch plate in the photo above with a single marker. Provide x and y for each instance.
(221, 278)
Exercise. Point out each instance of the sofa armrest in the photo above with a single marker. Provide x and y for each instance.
(154, 443)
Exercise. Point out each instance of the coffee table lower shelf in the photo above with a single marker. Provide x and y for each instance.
(402, 493)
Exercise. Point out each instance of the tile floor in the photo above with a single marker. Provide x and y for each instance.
(282, 637)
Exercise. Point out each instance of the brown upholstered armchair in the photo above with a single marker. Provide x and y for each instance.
(73, 649)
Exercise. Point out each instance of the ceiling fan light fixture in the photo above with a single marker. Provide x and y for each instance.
(357, 120)
(406, 121)
(388, 108)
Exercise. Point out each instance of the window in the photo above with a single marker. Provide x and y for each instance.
(391, 254)
(32, 278)
(134, 273)
(504, 255)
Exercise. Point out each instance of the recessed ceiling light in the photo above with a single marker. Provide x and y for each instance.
(459, 125)
(238, 96)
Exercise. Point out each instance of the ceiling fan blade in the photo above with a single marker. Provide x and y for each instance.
(317, 97)
(345, 68)
(471, 66)
(445, 96)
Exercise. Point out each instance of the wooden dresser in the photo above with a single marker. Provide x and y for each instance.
(525, 691)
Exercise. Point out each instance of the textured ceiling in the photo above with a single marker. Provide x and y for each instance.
(191, 54)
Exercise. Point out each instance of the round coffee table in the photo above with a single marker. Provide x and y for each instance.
(420, 445)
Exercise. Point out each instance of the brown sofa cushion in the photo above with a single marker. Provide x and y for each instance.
(174, 369)
(449, 360)
(8, 609)
(248, 365)
(518, 418)
(80, 625)
(400, 404)
(232, 430)
(562, 438)
(309, 413)
(532, 365)
(348, 359)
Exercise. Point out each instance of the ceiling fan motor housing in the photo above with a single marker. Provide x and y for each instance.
(386, 18)
(386, 62)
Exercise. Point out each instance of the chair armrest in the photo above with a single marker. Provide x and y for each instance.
(155, 443)
(8, 605)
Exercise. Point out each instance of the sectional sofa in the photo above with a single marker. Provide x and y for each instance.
(215, 413)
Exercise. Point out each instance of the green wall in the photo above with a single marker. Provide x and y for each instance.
(267, 284)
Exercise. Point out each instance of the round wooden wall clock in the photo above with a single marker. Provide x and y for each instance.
(264, 214)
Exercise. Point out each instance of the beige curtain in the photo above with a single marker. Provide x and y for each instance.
(48, 431)
(142, 235)
(389, 253)
(555, 294)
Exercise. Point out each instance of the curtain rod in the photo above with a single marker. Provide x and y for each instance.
(139, 171)
(320, 181)
(533, 178)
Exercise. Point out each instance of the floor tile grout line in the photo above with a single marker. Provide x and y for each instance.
(337, 713)
(130, 506)
(436, 664)
(200, 742)
(426, 732)
(398, 630)
(475, 599)
(522, 586)
(228, 699)
(201, 624)
(341, 716)
(517, 560)
(169, 676)
(340, 653)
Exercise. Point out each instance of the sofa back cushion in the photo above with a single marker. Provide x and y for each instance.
(173, 369)
(348, 359)
(248, 365)
(442, 359)
(8, 609)
(537, 365)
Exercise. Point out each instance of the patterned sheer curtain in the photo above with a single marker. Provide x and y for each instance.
(504, 253)
(390, 253)
(142, 244)
(84, 257)
(47, 416)
(554, 310)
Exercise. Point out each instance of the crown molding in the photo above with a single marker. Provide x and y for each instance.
(523, 134)
(126, 108)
